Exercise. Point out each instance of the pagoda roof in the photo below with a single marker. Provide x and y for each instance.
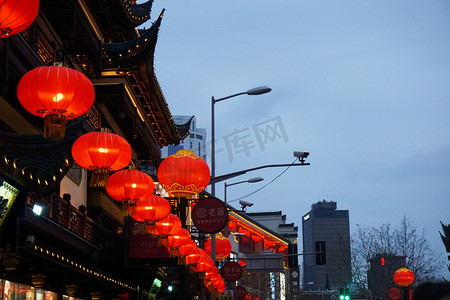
(138, 14)
(135, 58)
(33, 161)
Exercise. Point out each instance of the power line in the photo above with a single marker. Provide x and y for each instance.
(234, 200)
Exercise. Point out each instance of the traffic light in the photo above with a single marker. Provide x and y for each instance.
(321, 255)
(344, 294)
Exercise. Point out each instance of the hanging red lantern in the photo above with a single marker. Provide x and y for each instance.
(184, 174)
(101, 152)
(403, 277)
(55, 93)
(152, 208)
(187, 248)
(194, 257)
(223, 247)
(17, 15)
(165, 227)
(205, 265)
(175, 241)
(129, 186)
(213, 272)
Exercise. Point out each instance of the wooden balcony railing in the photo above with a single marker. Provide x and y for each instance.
(63, 213)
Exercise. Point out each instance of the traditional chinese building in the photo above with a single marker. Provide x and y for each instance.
(264, 253)
(77, 245)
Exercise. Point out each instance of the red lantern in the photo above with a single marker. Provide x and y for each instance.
(17, 15)
(205, 265)
(55, 93)
(187, 248)
(152, 208)
(165, 227)
(175, 241)
(194, 257)
(101, 152)
(129, 186)
(213, 272)
(184, 174)
(223, 247)
(403, 277)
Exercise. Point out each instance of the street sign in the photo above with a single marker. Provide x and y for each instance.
(240, 292)
(394, 293)
(231, 271)
(210, 215)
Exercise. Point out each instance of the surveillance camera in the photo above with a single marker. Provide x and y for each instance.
(245, 203)
(300, 154)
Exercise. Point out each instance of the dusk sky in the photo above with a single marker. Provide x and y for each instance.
(364, 86)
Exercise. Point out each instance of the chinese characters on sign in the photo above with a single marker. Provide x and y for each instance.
(231, 271)
(144, 245)
(244, 141)
(210, 215)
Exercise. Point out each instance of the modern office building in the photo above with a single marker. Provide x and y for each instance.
(196, 141)
(326, 229)
(379, 276)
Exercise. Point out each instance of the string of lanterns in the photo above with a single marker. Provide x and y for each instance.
(58, 93)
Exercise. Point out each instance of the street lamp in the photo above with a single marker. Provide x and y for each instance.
(251, 180)
(255, 91)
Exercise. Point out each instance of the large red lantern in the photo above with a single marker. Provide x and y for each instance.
(403, 277)
(206, 264)
(129, 186)
(55, 93)
(152, 208)
(194, 257)
(184, 174)
(17, 15)
(223, 247)
(101, 152)
(165, 227)
(175, 241)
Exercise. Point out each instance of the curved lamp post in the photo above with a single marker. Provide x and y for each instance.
(255, 91)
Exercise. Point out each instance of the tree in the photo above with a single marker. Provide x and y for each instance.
(405, 240)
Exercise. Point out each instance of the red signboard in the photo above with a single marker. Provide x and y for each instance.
(143, 244)
(231, 271)
(240, 292)
(210, 215)
(394, 293)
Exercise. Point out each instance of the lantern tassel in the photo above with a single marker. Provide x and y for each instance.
(99, 178)
(54, 127)
(181, 260)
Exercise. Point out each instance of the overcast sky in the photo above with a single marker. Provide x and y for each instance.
(364, 86)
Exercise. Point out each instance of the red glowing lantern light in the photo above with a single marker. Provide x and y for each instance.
(55, 93)
(165, 227)
(194, 257)
(184, 174)
(17, 15)
(101, 152)
(175, 241)
(152, 208)
(403, 277)
(187, 248)
(129, 185)
(223, 247)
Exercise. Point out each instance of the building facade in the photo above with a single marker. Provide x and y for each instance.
(327, 229)
(77, 245)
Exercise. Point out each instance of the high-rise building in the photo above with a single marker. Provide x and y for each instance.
(326, 230)
(196, 141)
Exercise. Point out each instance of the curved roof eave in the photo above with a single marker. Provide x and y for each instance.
(138, 55)
(138, 14)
